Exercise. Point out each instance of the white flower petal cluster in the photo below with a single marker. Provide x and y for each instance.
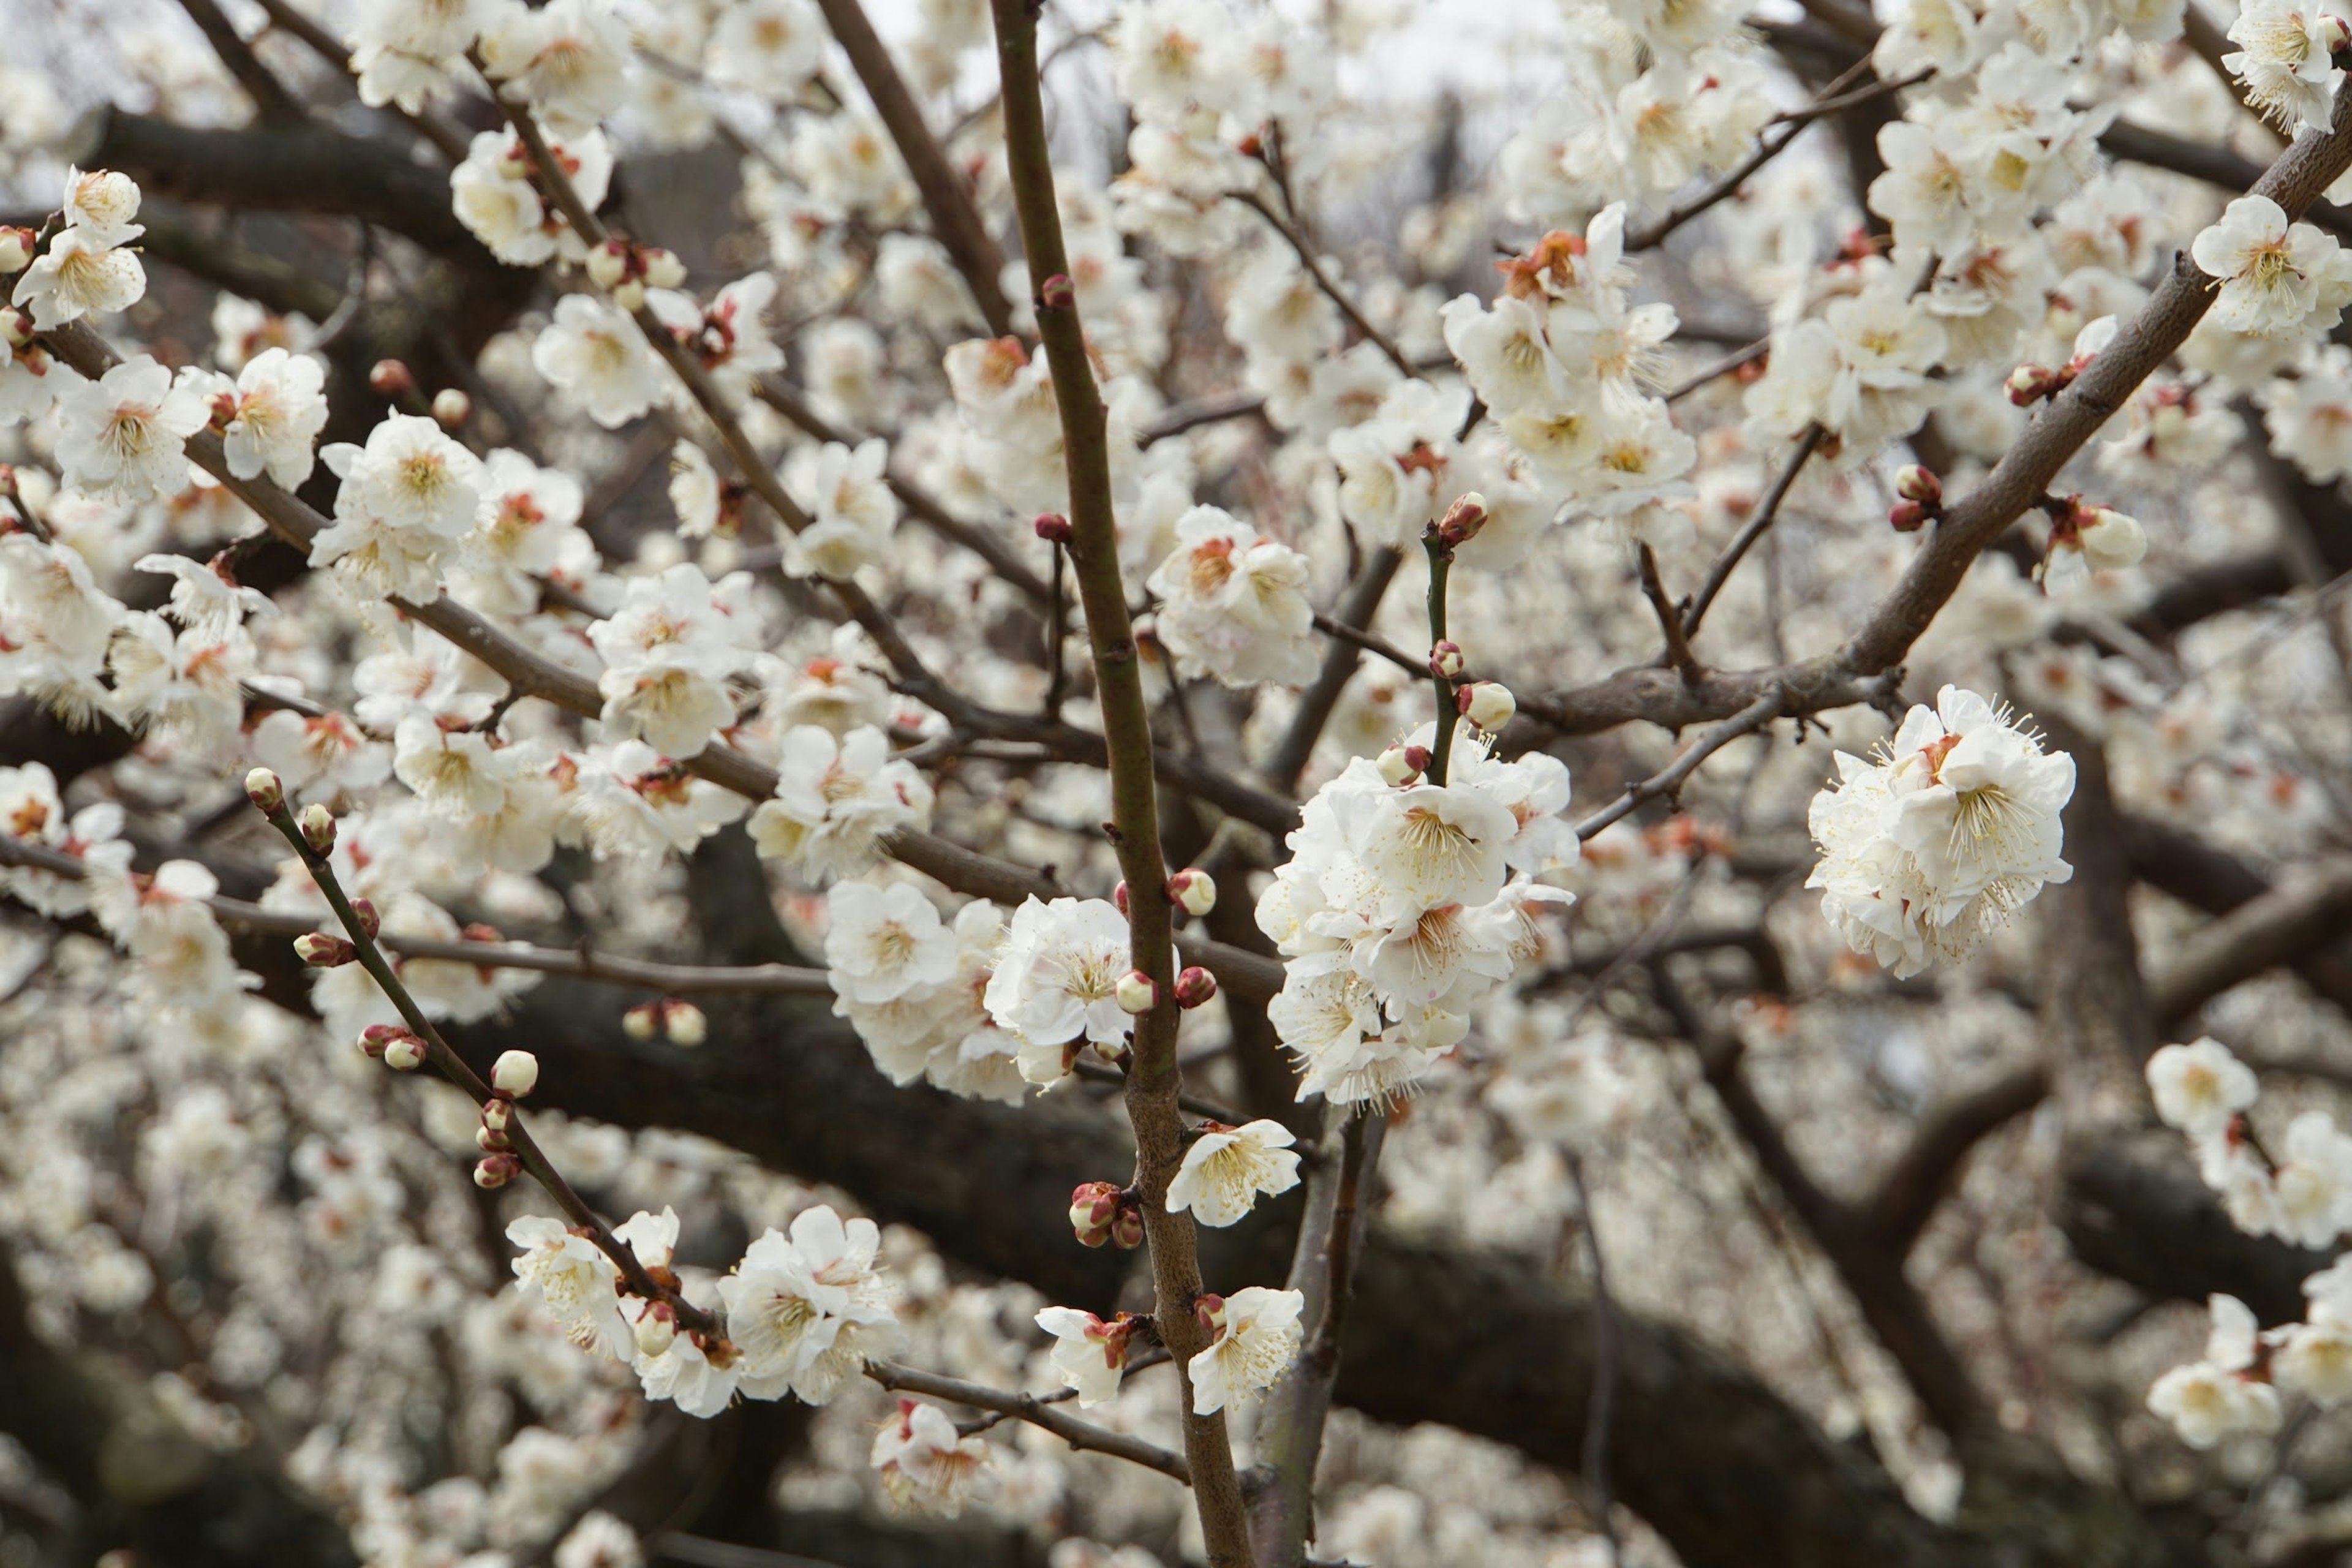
(1225, 1168)
(1233, 602)
(1860, 370)
(2218, 1397)
(1258, 1335)
(403, 51)
(851, 510)
(572, 1278)
(669, 651)
(407, 498)
(2278, 279)
(1056, 983)
(125, 436)
(84, 270)
(1401, 907)
(32, 813)
(805, 1310)
(1089, 1353)
(2286, 59)
(567, 60)
(835, 800)
(631, 803)
(55, 624)
(492, 193)
(594, 356)
(185, 680)
(925, 1465)
(275, 416)
(911, 985)
(1953, 828)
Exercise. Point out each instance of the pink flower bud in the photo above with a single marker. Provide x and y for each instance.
(318, 828)
(15, 326)
(2336, 33)
(490, 1139)
(2030, 383)
(1462, 521)
(1488, 704)
(370, 922)
(320, 950)
(451, 406)
(376, 1038)
(1913, 482)
(1119, 896)
(391, 378)
(656, 1327)
(663, 268)
(1094, 1211)
(1908, 516)
(495, 1171)
(1210, 1309)
(1058, 293)
(1193, 891)
(1137, 992)
(1054, 527)
(1194, 986)
(17, 248)
(608, 263)
(405, 1054)
(1126, 1230)
(497, 1114)
(515, 1073)
(1418, 758)
(267, 792)
(1397, 767)
(1446, 659)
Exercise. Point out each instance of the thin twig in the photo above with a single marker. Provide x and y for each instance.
(1747, 722)
(1670, 620)
(1738, 359)
(1728, 561)
(1037, 1412)
(1305, 250)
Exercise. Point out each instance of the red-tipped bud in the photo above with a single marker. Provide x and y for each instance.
(1194, 986)
(1486, 704)
(16, 247)
(663, 268)
(15, 326)
(642, 1022)
(1913, 482)
(1094, 1212)
(370, 922)
(2030, 383)
(1119, 896)
(1210, 1309)
(377, 1038)
(497, 1111)
(1054, 527)
(1137, 992)
(1396, 765)
(267, 792)
(490, 1140)
(391, 378)
(1126, 1230)
(405, 1054)
(608, 263)
(320, 950)
(317, 826)
(1445, 658)
(451, 406)
(1418, 758)
(496, 1171)
(2336, 33)
(1908, 516)
(1193, 891)
(515, 1073)
(1462, 521)
(1057, 292)
(684, 1024)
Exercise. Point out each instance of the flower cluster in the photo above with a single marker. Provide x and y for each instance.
(911, 986)
(1233, 602)
(836, 800)
(669, 651)
(1404, 904)
(1950, 830)
(85, 270)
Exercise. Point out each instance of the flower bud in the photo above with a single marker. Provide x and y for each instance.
(266, 790)
(391, 378)
(1488, 704)
(490, 1139)
(608, 263)
(317, 826)
(1212, 1312)
(1057, 292)
(17, 248)
(685, 1023)
(1194, 986)
(630, 296)
(1396, 767)
(15, 327)
(1908, 516)
(1094, 1212)
(1418, 758)
(1462, 521)
(370, 922)
(1053, 526)
(2030, 383)
(1119, 896)
(515, 1073)
(496, 1171)
(451, 406)
(2336, 33)
(1446, 659)
(656, 1328)
(320, 950)
(1192, 891)
(663, 268)
(1126, 1230)
(643, 1021)
(405, 1054)
(497, 1114)
(376, 1038)
(1913, 482)
(1137, 992)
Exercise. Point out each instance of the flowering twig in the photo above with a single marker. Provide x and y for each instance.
(1356, 608)
(1153, 1079)
(1747, 722)
(1038, 1411)
(1441, 565)
(270, 799)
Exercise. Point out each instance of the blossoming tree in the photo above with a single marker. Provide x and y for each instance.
(1179, 781)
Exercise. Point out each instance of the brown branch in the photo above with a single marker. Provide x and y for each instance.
(1747, 722)
(1670, 620)
(1907, 1195)
(1038, 1412)
(1739, 359)
(1305, 250)
(1763, 518)
(1357, 607)
(955, 217)
(271, 100)
(2283, 926)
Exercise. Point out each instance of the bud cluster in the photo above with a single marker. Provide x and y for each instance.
(1103, 1212)
(679, 1023)
(392, 1045)
(1921, 497)
(626, 269)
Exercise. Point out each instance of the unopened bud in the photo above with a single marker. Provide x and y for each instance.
(391, 378)
(656, 1328)
(663, 268)
(1053, 526)
(15, 326)
(685, 1023)
(266, 790)
(1488, 704)
(317, 826)
(451, 406)
(1194, 986)
(490, 1139)
(1212, 1312)
(1119, 896)
(1913, 482)
(17, 248)
(1418, 758)
(630, 296)
(2030, 383)
(1397, 767)
(496, 1171)
(1908, 516)
(320, 950)
(1462, 521)
(515, 1073)
(376, 1038)
(2336, 33)
(1126, 1230)
(1094, 1212)
(608, 263)
(1446, 659)
(1057, 292)
(497, 1114)
(642, 1022)
(405, 1054)
(1137, 992)
(1192, 891)
(370, 922)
